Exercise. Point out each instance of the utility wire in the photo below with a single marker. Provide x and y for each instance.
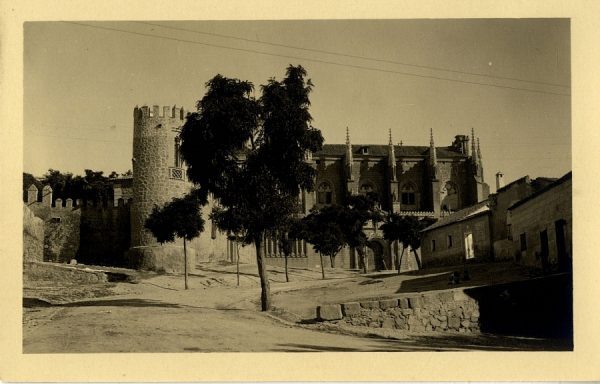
(316, 60)
(353, 56)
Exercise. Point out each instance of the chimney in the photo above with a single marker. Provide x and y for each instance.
(499, 180)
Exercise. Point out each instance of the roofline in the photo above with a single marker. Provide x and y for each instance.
(565, 177)
(486, 212)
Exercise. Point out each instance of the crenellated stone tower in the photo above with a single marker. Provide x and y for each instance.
(158, 177)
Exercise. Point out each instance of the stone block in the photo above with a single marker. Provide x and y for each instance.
(417, 328)
(403, 303)
(415, 302)
(391, 303)
(388, 323)
(400, 323)
(431, 301)
(407, 311)
(461, 296)
(454, 322)
(446, 296)
(374, 324)
(329, 312)
(429, 327)
(435, 322)
(474, 318)
(465, 323)
(456, 312)
(442, 317)
(350, 309)
(369, 304)
(444, 325)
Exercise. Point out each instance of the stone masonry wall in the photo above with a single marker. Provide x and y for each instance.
(436, 311)
(33, 236)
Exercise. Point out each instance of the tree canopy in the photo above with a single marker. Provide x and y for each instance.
(250, 154)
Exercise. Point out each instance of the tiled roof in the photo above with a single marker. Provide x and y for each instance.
(461, 215)
(381, 150)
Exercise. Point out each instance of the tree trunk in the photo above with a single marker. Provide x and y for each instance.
(332, 260)
(361, 256)
(265, 295)
(237, 249)
(322, 268)
(417, 257)
(287, 278)
(185, 265)
(400, 258)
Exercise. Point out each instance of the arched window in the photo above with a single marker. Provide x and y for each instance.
(449, 198)
(408, 194)
(324, 194)
(366, 188)
(177, 152)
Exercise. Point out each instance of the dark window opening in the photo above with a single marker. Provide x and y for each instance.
(408, 198)
(324, 194)
(523, 240)
(449, 241)
(432, 245)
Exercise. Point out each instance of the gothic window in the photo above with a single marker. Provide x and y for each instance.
(324, 194)
(408, 194)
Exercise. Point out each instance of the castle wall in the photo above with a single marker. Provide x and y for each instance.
(33, 236)
(61, 230)
(104, 234)
(156, 180)
(158, 177)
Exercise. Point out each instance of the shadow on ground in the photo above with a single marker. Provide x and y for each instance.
(456, 342)
(34, 302)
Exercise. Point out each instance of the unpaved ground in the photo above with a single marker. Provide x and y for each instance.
(157, 315)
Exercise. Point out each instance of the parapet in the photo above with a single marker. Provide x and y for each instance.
(47, 201)
(146, 112)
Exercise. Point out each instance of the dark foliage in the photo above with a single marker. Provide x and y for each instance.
(182, 217)
(249, 154)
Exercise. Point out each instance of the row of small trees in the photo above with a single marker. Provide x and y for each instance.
(250, 155)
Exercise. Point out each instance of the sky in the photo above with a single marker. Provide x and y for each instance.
(508, 79)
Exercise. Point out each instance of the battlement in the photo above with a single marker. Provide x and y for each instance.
(156, 112)
(47, 201)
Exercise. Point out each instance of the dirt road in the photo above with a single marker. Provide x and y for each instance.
(157, 315)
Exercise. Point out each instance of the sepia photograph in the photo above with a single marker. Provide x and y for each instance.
(286, 186)
(305, 190)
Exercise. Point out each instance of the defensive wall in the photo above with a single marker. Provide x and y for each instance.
(92, 232)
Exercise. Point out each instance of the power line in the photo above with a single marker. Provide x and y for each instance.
(317, 60)
(128, 142)
(354, 56)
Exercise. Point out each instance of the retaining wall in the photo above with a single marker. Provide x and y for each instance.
(437, 311)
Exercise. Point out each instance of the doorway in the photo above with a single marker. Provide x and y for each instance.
(560, 227)
(469, 250)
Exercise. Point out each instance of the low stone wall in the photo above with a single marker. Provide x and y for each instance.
(33, 271)
(435, 311)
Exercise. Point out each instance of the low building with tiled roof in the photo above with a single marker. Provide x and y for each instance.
(482, 231)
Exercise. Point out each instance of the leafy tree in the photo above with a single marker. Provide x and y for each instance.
(286, 236)
(394, 230)
(360, 210)
(324, 229)
(406, 230)
(250, 155)
(182, 217)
